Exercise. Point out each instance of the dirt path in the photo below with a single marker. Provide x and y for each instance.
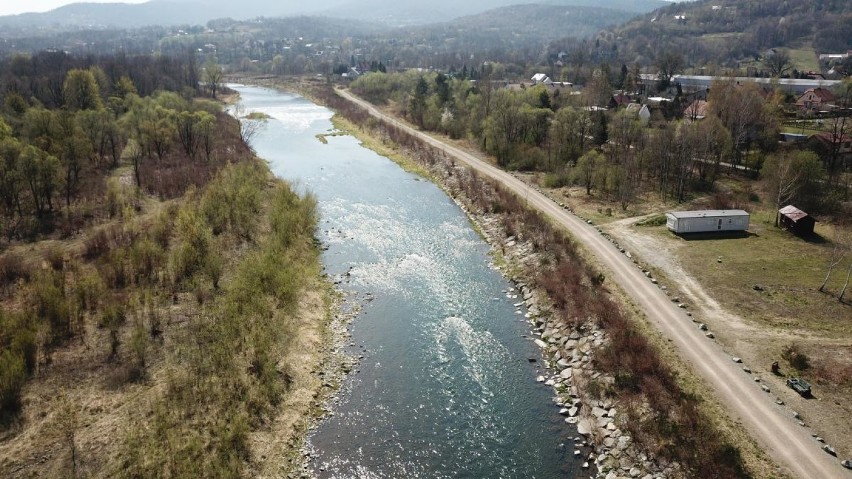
(660, 255)
(789, 444)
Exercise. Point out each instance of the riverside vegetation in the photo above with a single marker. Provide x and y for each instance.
(158, 322)
(665, 417)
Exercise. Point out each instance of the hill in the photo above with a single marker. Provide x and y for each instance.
(519, 25)
(729, 32)
(438, 11)
(193, 12)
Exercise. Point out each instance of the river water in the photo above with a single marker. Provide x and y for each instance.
(445, 388)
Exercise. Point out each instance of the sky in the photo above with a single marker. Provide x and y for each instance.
(12, 7)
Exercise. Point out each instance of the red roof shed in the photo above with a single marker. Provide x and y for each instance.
(797, 221)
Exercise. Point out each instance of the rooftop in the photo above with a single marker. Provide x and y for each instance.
(793, 213)
(707, 213)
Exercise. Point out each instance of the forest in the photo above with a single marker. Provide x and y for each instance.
(147, 259)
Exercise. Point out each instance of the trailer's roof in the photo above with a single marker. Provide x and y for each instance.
(707, 213)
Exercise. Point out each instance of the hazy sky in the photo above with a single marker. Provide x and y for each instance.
(11, 7)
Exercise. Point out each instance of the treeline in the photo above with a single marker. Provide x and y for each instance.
(84, 162)
(664, 419)
(67, 124)
(571, 140)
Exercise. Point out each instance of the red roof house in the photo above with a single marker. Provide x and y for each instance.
(815, 99)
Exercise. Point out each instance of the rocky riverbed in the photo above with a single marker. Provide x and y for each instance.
(608, 450)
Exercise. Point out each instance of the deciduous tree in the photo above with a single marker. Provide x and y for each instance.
(213, 75)
(81, 91)
(787, 173)
(778, 63)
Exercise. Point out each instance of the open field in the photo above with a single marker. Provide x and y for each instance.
(804, 58)
(716, 277)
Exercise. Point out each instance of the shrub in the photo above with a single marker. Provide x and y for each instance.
(139, 350)
(796, 357)
(89, 289)
(656, 220)
(55, 258)
(50, 304)
(97, 244)
(13, 375)
(231, 203)
(116, 199)
(146, 258)
(13, 268)
(161, 230)
(113, 318)
(194, 245)
(18, 335)
(115, 270)
(557, 180)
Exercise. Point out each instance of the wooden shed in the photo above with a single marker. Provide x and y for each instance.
(796, 221)
(705, 221)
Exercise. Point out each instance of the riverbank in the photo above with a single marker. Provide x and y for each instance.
(569, 351)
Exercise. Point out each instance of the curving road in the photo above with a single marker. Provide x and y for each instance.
(772, 426)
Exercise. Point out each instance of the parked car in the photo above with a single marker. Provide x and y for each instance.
(800, 386)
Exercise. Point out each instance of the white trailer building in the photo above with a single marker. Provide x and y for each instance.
(707, 221)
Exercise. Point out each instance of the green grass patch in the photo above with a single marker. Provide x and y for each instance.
(797, 130)
(789, 269)
(257, 115)
(323, 137)
(804, 59)
(656, 220)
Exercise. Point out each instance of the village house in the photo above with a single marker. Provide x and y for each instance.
(826, 145)
(541, 79)
(641, 111)
(697, 110)
(815, 99)
(619, 99)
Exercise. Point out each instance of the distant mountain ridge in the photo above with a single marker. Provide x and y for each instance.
(198, 12)
(522, 24)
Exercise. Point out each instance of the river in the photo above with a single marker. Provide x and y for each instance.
(445, 388)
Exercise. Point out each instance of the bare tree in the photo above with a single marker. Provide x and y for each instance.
(668, 64)
(67, 422)
(742, 110)
(837, 255)
(846, 284)
(250, 123)
(784, 178)
(778, 63)
(133, 152)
